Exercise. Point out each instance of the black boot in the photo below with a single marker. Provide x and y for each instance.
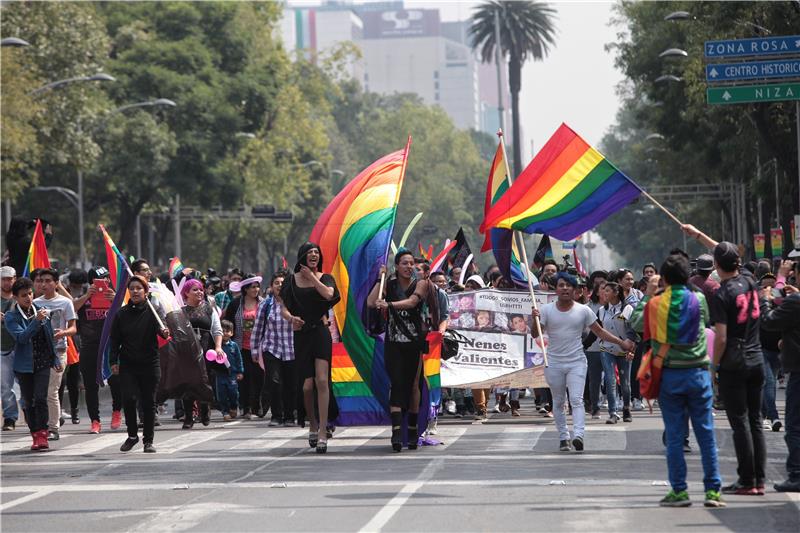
(75, 418)
(413, 432)
(397, 441)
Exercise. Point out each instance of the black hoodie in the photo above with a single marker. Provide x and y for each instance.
(786, 319)
(133, 338)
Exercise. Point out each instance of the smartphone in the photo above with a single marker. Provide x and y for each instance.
(99, 300)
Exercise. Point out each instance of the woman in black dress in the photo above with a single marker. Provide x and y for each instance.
(307, 296)
(408, 301)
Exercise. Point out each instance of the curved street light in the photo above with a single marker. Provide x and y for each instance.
(54, 85)
(149, 103)
(673, 52)
(679, 15)
(668, 77)
(15, 41)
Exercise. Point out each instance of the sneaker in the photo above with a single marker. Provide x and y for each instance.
(613, 419)
(9, 424)
(116, 419)
(790, 485)
(129, 443)
(53, 435)
(714, 499)
(740, 490)
(515, 412)
(247, 416)
(76, 419)
(61, 419)
(776, 425)
(626, 415)
(548, 414)
(596, 414)
(563, 446)
(289, 423)
(149, 448)
(496, 408)
(450, 407)
(766, 424)
(95, 429)
(274, 422)
(577, 443)
(677, 499)
(637, 404)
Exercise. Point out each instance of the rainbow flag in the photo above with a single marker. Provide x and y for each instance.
(776, 241)
(431, 365)
(759, 241)
(674, 316)
(120, 271)
(354, 233)
(567, 189)
(175, 267)
(502, 241)
(37, 253)
(114, 258)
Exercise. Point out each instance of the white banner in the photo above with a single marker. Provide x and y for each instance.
(501, 351)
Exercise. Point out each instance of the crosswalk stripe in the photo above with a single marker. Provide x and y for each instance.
(186, 440)
(607, 440)
(355, 437)
(90, 446)
(270, 440)
(449, 435)
(518, 438)
(11, 445)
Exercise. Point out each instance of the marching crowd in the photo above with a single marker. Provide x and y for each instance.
(722, 334)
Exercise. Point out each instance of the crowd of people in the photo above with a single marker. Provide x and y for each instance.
(726, 332)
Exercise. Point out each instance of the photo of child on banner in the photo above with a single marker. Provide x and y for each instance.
(500, 352)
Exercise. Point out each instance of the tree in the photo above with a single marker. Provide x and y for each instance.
(527, 31)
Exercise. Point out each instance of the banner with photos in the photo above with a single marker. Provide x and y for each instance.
(500, 352)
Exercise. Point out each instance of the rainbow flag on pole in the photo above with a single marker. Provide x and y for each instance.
(502, 241)
(354, 233)
(114, 258)
(37, 253)
(120, 271)
(567, 189)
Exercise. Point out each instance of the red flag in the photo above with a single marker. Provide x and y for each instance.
(578, 264)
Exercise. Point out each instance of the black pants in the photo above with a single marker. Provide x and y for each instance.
(741, 392)
(250, 387)
(33, 389)
(72, 380)
(279, 383)
(88, 365)
(402, 360)
(140, 386)
(635, 364)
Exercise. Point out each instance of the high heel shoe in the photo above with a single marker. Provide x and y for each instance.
(322, 446)
(313, 439)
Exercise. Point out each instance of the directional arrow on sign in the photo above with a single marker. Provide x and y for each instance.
(726, 96)
(714, 73)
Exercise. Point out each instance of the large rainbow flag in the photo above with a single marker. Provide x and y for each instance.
(119, 271)
(114, 258)
(674, 316)
(354, 233)
(37, 253)
(567, 189)
(500, 240)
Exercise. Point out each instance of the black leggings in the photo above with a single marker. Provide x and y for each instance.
(33, 389)
(72, 382)
(250, 387)
(88, 365)
(402, 361)
(140, 386)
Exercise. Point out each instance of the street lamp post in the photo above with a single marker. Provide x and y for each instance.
(67, 81)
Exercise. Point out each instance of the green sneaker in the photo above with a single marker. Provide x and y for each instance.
(714, 499)
(676, 499)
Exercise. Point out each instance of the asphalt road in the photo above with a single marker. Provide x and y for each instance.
(504, 475)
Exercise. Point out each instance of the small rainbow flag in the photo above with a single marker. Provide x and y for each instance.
(501, 241)
(175, 266)
(673, 317)
(776, 241)
(567, 189)
(114, 258)
(432, 364)
(120, 271)
(37, 253)
(354, 233)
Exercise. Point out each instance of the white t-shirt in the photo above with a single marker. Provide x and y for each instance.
(61, 312)
(564, 329)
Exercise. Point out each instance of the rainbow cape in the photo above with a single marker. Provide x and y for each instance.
(673, 316)
(354, 233)
(567, 189)
(501, 241)
(37, 253)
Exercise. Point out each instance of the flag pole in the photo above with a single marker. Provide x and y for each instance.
(521, 244)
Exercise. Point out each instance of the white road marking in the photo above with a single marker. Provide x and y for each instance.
(448, 436)
(608, 440)
(93, 445)
(355, 437)
(190, 438)
(270, 440)
(518, 438)
(23, 443)
(37, 493)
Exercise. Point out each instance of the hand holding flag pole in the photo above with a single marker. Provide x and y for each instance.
(521, 241)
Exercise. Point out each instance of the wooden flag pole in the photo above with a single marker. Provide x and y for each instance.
(521, 244)
(655, 202)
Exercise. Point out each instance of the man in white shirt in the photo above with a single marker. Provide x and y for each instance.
(564, 321)
(62, 317)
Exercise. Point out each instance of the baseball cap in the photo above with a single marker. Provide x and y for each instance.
(8, 272)
(705, 262)
(726, 254)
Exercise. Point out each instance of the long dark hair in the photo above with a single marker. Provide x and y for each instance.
(614, 286)
(302, 252)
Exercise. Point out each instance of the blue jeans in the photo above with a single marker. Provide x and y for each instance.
(771, 365)
(792, 436)
(687, 392)
(624, 366)
(10, 409)
(595, 375)
(227, 393)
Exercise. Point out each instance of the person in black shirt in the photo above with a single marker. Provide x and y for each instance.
(307, 296)
(737, 354)
(134, 357)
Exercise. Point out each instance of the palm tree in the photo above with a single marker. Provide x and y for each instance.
(527, 31)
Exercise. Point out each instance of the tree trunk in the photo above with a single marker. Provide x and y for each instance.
(515, 84)
(230, 241)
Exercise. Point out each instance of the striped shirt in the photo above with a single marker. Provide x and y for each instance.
(278, 337)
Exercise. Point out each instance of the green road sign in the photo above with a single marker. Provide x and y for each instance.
(753, 93)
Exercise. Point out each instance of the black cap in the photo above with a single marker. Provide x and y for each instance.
(726, 254)
(705, 263)
(97, 272)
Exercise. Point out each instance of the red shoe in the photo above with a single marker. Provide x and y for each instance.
(95, 427)
(116, 419)
(761, 490)
(43, 444)
(35, 437)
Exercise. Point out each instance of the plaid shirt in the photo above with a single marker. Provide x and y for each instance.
(271, 333)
